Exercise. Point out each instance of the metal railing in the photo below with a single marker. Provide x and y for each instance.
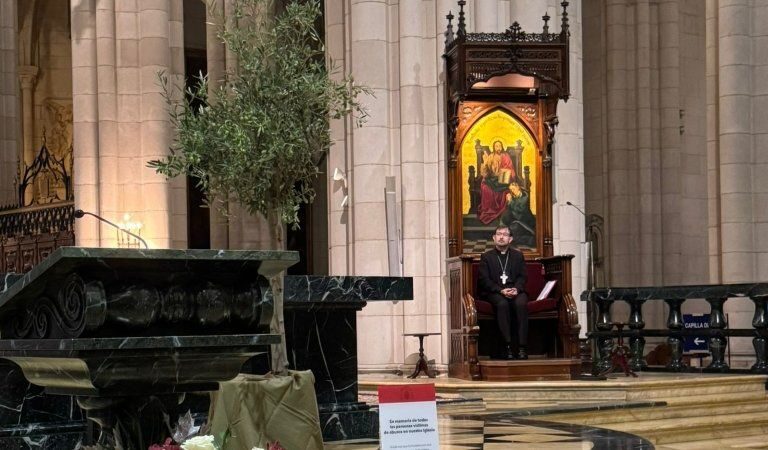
(605, 330)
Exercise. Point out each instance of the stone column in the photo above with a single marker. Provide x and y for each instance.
(9, 120)
(340, 244)
(85, 120)
(486, 17)
(742, 134)
(760, 140)
(528, 14)
(240, 229)
(419, 158)
(736, 144)
(713, 143)
(215, 52)
(692, 182)
(157, 37)
(568, 156)
(375, 155)
(120, 116)
(110, 205)
(27, 82)
(670, 108)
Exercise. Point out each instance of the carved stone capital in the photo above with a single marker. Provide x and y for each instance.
(28, 77)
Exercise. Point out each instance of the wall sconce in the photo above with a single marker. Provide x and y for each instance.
(339, 176)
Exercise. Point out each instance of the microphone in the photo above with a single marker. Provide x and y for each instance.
(577, 208)
(79, 213)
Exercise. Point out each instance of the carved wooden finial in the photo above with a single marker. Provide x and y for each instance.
(462, 24)
(564, 29)
(546, 18)
(449, 29)
(515, 32)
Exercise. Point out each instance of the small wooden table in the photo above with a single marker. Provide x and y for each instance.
(422, 364)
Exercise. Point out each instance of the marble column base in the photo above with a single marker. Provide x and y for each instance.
(30, 419)
(344, 421)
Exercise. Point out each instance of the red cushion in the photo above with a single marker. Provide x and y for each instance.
(535, 282)
(484, 307)
(475, 277)
(546, 304)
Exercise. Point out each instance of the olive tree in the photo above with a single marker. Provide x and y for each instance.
(258, 136)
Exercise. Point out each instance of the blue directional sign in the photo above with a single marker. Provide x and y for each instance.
(695, 344)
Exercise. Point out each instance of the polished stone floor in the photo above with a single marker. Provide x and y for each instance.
(503, 431)
(664, 411)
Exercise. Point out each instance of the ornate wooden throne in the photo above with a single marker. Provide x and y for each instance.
(502, 91)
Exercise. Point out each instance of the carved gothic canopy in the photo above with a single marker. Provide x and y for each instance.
(502, 91)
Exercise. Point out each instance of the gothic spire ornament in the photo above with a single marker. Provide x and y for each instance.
(564, 29)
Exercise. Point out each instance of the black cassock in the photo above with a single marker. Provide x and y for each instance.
(489, 285)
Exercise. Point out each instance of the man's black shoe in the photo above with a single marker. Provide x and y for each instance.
(523, 354)
(510, 353)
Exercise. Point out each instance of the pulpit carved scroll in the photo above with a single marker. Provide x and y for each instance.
(502, 93)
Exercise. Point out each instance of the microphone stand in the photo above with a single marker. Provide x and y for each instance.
(590, 255)
(79, 213)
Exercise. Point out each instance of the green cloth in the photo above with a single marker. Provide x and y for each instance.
(253, 410)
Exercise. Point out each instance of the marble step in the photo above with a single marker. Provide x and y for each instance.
(671, 389)
(741, 443)
(704, 428)
(608, 418)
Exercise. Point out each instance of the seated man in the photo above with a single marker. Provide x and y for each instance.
(501, 282)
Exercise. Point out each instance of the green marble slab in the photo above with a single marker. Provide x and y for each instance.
(101, 263)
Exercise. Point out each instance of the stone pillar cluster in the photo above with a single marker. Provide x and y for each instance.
(121, 119)
(645, 152)
(395, 48)
(675, 125)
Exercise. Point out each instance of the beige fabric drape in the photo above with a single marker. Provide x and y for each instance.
(252, 410)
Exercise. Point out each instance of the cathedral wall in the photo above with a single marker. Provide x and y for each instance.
(674, 127)
(645, 141)
(645, 147)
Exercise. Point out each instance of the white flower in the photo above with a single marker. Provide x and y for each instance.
(199, 443)
(257, 448)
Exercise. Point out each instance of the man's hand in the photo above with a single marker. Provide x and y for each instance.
(509, 292)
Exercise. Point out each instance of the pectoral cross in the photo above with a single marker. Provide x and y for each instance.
(503, 278)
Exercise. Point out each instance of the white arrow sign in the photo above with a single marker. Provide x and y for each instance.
(698, 341)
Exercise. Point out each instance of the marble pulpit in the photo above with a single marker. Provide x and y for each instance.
(102, 334)
(126, 333)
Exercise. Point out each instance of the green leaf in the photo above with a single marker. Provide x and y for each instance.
(259, 136)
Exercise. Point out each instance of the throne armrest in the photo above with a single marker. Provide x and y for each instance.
(470, 314)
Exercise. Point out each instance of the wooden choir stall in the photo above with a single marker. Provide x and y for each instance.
(502, 92)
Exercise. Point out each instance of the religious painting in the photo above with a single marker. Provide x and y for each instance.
(500, 174)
